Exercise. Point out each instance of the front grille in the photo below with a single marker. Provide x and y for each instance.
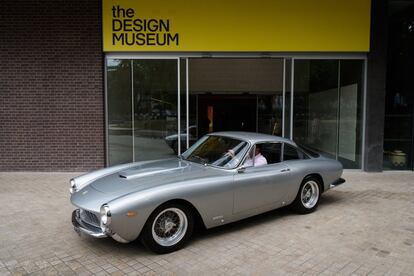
(89, 218)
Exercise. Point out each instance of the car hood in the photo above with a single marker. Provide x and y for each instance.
(138, 178)
(175, 136)
(147, 175)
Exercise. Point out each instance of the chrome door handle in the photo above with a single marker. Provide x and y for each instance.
(285, 170)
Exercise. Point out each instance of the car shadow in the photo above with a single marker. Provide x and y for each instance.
(334, 197)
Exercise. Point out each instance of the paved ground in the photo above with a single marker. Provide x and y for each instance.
(364, 227)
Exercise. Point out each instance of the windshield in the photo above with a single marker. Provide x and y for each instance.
(218, 151)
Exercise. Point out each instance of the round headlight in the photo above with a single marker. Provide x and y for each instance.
(73, 188)
(105, 210)
(105, 218)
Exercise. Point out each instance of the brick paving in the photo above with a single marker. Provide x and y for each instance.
(364, 227)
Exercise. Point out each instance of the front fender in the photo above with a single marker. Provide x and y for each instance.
(211, 198)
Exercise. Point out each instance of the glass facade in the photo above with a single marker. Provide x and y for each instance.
(287, 98)
(142, 109)
(315, 105)
(351, 98)
(399, 98)
(327, 116)
(119, 98)
(157, 108)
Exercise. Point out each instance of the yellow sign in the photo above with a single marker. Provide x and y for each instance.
(236, 25)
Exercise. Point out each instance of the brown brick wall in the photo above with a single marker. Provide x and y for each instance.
(51, 86)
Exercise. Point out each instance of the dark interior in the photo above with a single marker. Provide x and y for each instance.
(230, 113)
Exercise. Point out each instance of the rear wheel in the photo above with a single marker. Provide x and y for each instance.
(308, 196)
(168, 228)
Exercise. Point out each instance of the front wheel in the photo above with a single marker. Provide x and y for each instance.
(308, 196)
(168, 228)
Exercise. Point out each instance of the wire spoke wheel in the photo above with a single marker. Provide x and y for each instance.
(169, 227)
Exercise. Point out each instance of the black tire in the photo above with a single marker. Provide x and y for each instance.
(301, 205)
(149, 238)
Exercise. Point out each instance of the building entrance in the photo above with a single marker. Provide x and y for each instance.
(236, 94)
(227, 113)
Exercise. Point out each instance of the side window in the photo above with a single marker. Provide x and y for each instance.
(272, 152)
(263, 154)
(290, 153)
(302, 155)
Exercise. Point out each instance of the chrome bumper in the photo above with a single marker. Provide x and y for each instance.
(337, 182)
(83, 228)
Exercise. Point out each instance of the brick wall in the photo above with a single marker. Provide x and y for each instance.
(51, 86)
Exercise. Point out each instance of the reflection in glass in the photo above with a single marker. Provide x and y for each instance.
(316, 104)
(183, 105)
(119, 111)
(236, 95)
(288, 93)
(328, 97)
(350, 113)
(270, 114)
(155, 108)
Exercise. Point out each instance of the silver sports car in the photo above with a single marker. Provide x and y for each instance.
(223, 177)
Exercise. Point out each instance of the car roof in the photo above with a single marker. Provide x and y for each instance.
(253, 137)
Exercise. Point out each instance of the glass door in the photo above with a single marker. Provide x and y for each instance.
(119, 111)
(155, 87)
(142, 104)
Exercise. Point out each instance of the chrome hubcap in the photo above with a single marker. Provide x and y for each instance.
(169, 227)
(310, 194)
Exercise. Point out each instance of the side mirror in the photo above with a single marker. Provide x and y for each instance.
(241, 169)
